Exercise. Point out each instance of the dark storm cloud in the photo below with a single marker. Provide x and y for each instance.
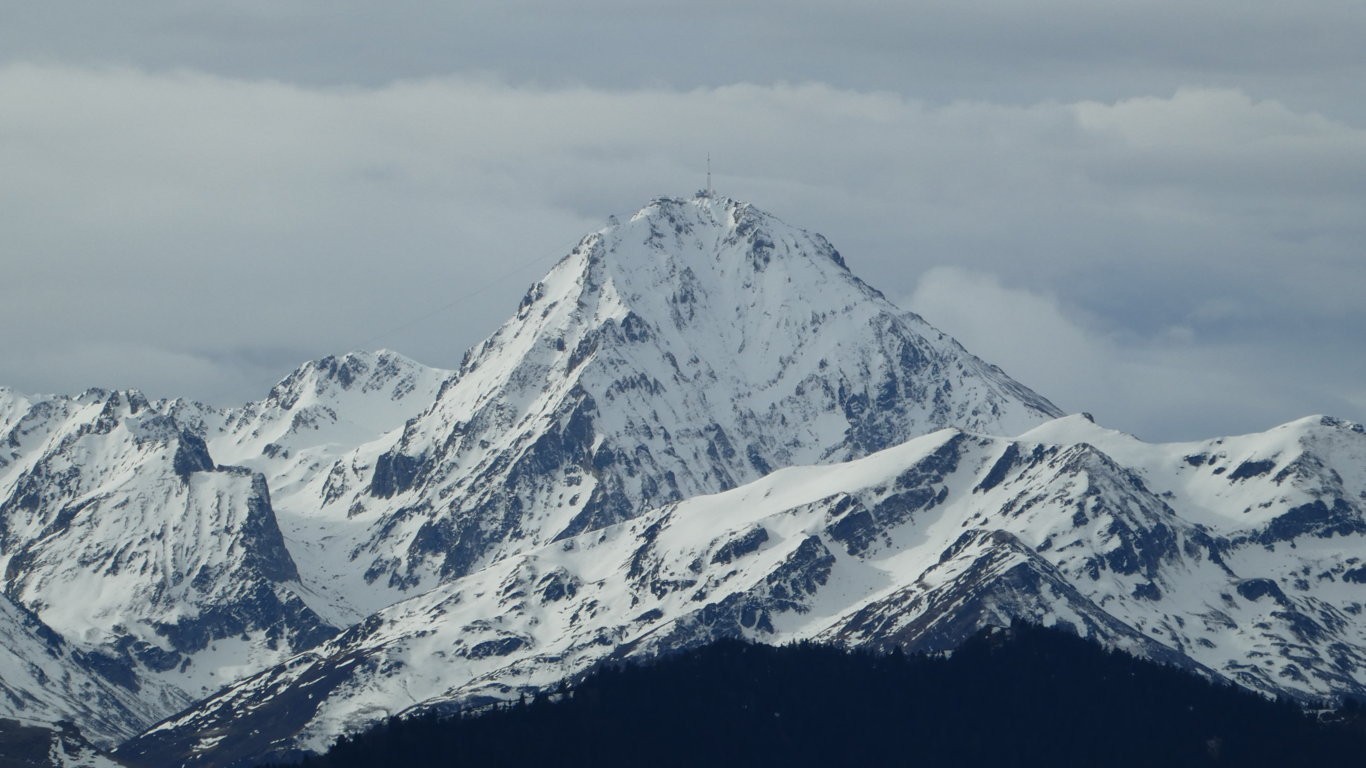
(1149, 211)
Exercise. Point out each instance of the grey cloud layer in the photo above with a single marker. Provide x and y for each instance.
(1306, 54)
(197, 234)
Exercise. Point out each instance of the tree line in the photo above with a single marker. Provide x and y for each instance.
(1027, 696)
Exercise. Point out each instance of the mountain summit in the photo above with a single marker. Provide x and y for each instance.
(695, 347)
(699, 345)
(698, 425)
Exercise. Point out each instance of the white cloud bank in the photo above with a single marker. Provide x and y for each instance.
(200, 235)
(1171, 385)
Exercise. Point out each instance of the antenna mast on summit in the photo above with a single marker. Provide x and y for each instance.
(709, 189)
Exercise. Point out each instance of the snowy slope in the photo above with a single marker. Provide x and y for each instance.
(43, 680)
(1238, 486)
(1288, 507)
(133, 530)
(917, 546)
(119, 530)
(699, 424)
(335, 403)
(695, 347)
(316, 438)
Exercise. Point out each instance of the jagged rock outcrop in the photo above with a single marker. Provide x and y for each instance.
(917, 547)
(698, 425)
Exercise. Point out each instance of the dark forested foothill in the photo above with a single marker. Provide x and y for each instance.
(1020, 697)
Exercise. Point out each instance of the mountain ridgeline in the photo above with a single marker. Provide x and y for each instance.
(698, 346)
(699, 426)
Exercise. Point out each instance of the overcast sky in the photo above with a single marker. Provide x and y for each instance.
(1153, 211)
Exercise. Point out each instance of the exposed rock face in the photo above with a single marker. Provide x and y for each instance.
(24, 745)
(699, 425)
(44, 679)
(697, 346)
(165, 570)
(919, 547)
(121, 533)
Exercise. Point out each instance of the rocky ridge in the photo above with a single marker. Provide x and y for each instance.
(698, 425)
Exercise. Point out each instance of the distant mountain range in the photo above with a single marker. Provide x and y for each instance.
(698, 425)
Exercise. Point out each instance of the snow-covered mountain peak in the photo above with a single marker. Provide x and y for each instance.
(699, 424)
(365, 370)
(717, 280)
(1074, 428)
(725, 250)
(676, 262)
(698, 345)
(339, 401)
